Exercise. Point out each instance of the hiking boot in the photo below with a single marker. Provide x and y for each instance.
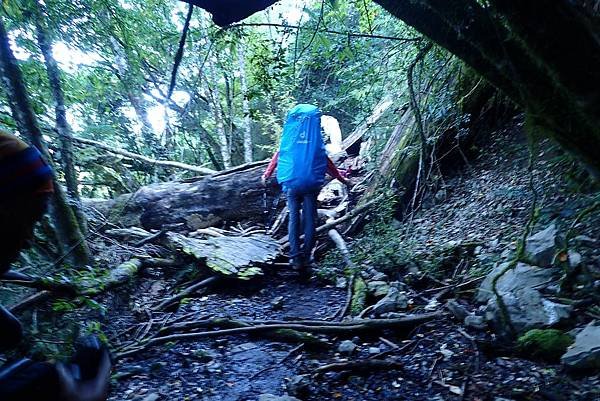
(296, 264)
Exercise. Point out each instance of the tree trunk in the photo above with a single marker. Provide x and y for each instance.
(245, 105)
(138, 104)
(230, 196)
(545, 58)
(67, 228)
(213, 89)
(62, 126)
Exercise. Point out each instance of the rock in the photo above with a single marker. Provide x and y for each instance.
(574, 258)
(378, 289)
(341, 282)
(541, 247)
(378, 276)
(457, 310)
(584, 239)
(277, 303)
(547, 344)
(203, 355)
(271, 397)
(347, 347)
(521, 276)
(152, 397)
(374, 350)
(527, 310)
(298, 386)
(475, 322)
(394, 300)
(585, 352)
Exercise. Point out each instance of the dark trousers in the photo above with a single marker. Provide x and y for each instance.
(307, 202)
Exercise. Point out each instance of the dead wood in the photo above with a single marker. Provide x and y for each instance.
(365, 365)
(288, 331)
(231, 196)
(145, 159)
(235, 257)
(186, 292)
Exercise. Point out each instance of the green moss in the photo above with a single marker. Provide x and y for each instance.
(359, 296)
(547, 344)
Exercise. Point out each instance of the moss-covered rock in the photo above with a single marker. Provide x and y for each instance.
(546, 344)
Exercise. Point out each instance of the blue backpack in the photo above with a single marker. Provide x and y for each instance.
(302, 157)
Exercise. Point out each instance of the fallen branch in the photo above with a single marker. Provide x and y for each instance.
(287, 330)
(145, 159)
(365, 365)
(186, 293)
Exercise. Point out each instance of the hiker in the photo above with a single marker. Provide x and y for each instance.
(301, 165)
(25, 189)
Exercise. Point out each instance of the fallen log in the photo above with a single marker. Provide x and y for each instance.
(202, 202)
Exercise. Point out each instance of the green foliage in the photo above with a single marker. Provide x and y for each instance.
(546, 344)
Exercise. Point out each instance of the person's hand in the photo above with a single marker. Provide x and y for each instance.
(95, 389)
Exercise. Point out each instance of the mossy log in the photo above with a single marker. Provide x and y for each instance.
(92, 286)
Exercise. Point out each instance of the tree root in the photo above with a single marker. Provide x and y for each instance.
(295, 331)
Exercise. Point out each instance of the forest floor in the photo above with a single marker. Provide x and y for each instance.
(485, 205)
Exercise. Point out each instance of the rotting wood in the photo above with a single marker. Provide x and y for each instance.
(236, 257)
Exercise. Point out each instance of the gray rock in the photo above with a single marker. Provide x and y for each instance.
(152, 397)
(395, 300)
(541, 247)
(374, 350)
(527, 310)
(277, 303)
(347, 347)
(574, 258)
(298, 386)
(378, 288)
(457, 310)
(341, 282)
(585, 351)
(475, 322)
(271, 397)
(521, 276)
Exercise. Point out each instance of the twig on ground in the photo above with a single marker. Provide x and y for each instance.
(365, 365)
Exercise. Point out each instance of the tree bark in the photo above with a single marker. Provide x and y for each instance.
(67, 228)
(245, 104)
(62, 126)
(229, 196)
